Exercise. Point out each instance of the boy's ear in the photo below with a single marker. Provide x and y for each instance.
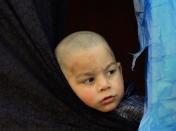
(119, 66)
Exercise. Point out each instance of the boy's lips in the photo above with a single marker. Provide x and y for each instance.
(108, 100)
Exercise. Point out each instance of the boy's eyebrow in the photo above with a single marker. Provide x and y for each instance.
(84, 74)
(109, 65)
(90, 74)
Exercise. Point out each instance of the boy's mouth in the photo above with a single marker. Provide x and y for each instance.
(107, 100)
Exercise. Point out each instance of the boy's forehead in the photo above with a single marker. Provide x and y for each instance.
(88, 51)
(87, 57)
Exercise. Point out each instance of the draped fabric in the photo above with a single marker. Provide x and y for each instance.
(157, 31)
(34, 94)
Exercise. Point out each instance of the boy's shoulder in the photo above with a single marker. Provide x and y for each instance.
(132, 104)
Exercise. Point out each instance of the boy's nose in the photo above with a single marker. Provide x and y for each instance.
(103, 85)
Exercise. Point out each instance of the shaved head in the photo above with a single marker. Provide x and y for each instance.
(78, 41)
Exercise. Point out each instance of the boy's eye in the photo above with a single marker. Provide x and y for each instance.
(88, 81)
(110, 72)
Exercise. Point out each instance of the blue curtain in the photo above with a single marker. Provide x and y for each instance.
(157, 30)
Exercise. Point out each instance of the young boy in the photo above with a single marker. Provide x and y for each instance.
(94, 75)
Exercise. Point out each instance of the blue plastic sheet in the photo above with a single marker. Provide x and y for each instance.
(157, 30)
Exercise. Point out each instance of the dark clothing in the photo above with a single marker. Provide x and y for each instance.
(34, 95)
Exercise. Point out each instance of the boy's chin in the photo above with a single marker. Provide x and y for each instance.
(108, 108)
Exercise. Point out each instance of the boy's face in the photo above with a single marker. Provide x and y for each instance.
(96, 78)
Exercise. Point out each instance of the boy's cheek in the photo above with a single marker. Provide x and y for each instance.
(88, 98)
